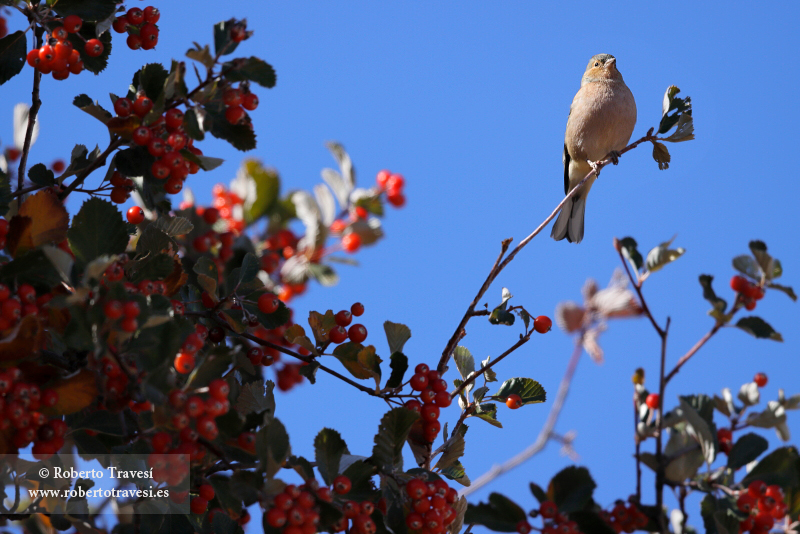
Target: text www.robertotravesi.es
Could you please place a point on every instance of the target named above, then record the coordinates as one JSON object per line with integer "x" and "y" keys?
{"x": 133, "y": 493}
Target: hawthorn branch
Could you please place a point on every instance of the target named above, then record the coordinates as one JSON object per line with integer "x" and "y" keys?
{"x": 36, "y": 103}
{"x": 637, "y": 285}
{"x": 469, "y": 380}
{"x": 662, "y": 384}
{"x": 697, "y": 346}
{"x": 93, "y": 166}
{"x": 545, "y": 434}
{"x": 503, "y": 260}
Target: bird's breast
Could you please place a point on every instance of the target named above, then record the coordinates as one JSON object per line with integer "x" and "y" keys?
{"x": 602, "y": 118}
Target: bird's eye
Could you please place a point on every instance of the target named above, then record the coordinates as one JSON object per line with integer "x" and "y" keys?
{"x": 596, "y": 63}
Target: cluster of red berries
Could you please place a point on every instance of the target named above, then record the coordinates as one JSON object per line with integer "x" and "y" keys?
{"x": 282, "y": 244}
{"x": 433, "y": 394}
{"x": 295, "y": 510}
{"x": 3, "y": 232}
{"x": 393, "y": 184}
{"x": 24, "y": 303}
{"x": 211, "y": 239}
{"x": 185, "y": 361}
{"x": 20, "y": 403}
{"x": 140, "y": 24}
{"x": 237, "y": 100}
{"x": 351, "y": 241}
{"x": 164, "y": 138}
{"x": 725, "y": 435}
{"x": 116, "y": 272}
{"x": 357, "y": 333}
{"x": 625, "y": 518}
{"x": 763, "y": 505}
{"x": 199, "y": 504}
{"x": 750, "y": 292}
{"x": 195, "y": 417}
{"x": 431, "y": 509}
{"x": 125, "y": 312}
{"x": 121, "y": 188}
{"x": 57, "y": 54}
{"x": 227, "y": 205}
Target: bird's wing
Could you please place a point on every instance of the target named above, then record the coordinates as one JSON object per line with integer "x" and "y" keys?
{"x": 566, "y": 169}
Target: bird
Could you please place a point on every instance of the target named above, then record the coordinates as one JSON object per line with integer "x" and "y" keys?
{"x": 600, "y": 124}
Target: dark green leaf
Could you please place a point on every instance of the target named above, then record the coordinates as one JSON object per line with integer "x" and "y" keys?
{"x": 465, "y": 362}
{"x": 455, "y": 471}
{"x": 84, "y": 103}
{"x": 158, "y": 345}
{"x": 488, "y": 412}
{"x": 13, "y": 50}
{"x": 746, "y": 449}
{"x": 192, "y": 125}
{"x": 213, "y": 366}
{"x": 271, "y": 320}
{"x": 5, "y": 193}
{"x": 328, "y": 450}
{"x": 93, "y": 10}
{"x": 240, "y": 136}
{"x": 392, "y": 433}
{"x": 97, "y": 229}
{"x": 529, "y": 390}
{"x": 153, "y": 241}
{"x": 223, "y": 44}
{"x": 206, "y": 163}
{"x": 101, "y": 421}
{"x": 661, "y": 155}
{"x": 673, "y": 103}
{"x": 310, "y": 371}
{"x": 708, "y": 293}
{"x": 571, "y": 489}
{"x": 758, "y": 327}
{"x": 786, "y": 289}
{"x": 151, "y": 267}
{"x": 253, "y": 69}
{"x": 538, "y": 492}
{"x": 249, "y": 269}
{"x": 41, "y": 175}
{"x": 255, "y": 398}
{"x": 399, "y": 365}
{"x": 207, "y": 267}
{"x": 500, "y": 514}
{"x": 302, "y": 466}
{"x": 173, "y": 226}
{"x": 747, "y": 265}
{"x": 630, "y": 252}
{"x": 360, "y": 474}
{"x": 151, "y": 79}
{"x": 272, "y": 446}
{"x": 780, "y": 467}
{"x": 134, "y": 161}
{"x": 589, "y": 521}
{"x": 94, "y": 64}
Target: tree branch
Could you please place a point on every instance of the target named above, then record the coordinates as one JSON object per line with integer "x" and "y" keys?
{"x": 469, "y": 380}
{"x": 36, "y": 103}
{"x": 97, "y": 163}
{"x": 546, "y": 431}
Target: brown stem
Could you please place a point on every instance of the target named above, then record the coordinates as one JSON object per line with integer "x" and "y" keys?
{"x": 546, "y": 431}
{"x": 638, "y": 287}
{"x": 501, "y": 263}
{"x": 662, "y": 384}
{"x": 96, "y": 164}
{"x": 638, "y": 450}
{"x": 524, "y": 339}
{"x": 692, "y": 351}
{"x": 36, "y": 103}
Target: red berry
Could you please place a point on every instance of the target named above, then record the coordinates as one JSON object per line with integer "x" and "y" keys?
{"x": 232, "y": 97}
{"x": 775, "y": 492}
{"x": 173, "y": 118}
{"x": 443, "y": 399}
{"x": 72, "y": 23}
{"x": 235, "y": 114}
{"x": 135, "y": 16}
{"x": 276, "y": 517}
{"x": 430, "y": 412}
{"x": 343, "y": 318}
{"x": 60, "y": 33}
{"x": 419, "y": 381}
{"x": 120, "y": 24}
{"x": 413, "y": 405}
{"x": 431, "y": 430}
{"x": 756, "y": 489}
{"x": 351, "y": 242}
{"x": 422, "y": 368}
{"x": 219, "y": 389}
{"x": 33, "y": 58}
{"x": 141, "y": 135}
{"x": 184, "y": 363}
{"x": 514, "y": 401}
{"x": 268, "y": 303}
{"x": 206, "y": 491}
{"x": 135, "y": 215}
{"x": 357, "y": 333}
{"x": 414, "y": 521}
{"x": 113, "y": 309}
{"x": 148, "y": 33}
{"x": 337, "y": 334}
{"x": 198, "y": 505}
{"x": 134, "y": 42}
{"x": 760, "y": 379}
{"x": 151, "y": 14}
{"x": 724, "y": 434}
{"x": 548, "y": 509}
{"x": 357, "y": 309}
{"x": 93, "y": 47}
{"x": 416, "y": 489}
{"x": 652, "y": 401}
{"x": 142, "y": 106}
{"x": 211, "y": 215}
{"x": 342, "y": 485}
{"x": 11, "y": 309}
{"x": 207, "y": 428}
{"x": 173, "y": 186}
{"x": 247, "y": 441}
{"x": 238, "y": 33}
{"x": 542, "y": 324}
{"x": 740, "y": 284}
{"x": 249, "y": 101}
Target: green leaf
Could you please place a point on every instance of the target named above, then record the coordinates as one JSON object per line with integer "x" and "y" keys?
{"x": 240, "y": 136}
{"x": 192, "y": 125}
{"x": 684, "y": 131}
{"x": 5, "y": 193}
{"x": 747, "y": 265}
{"x": 360, "y": 473}
{"x": 396, "y": 335}
{"x": 699, "y": 429}
{"x": 272, "y": 446}
{"x": 631, "y": 253}
{"x": 206, "y": 163}
{"x": 202, "y": 55}
{"x": 101, "y": 421}
{"x": 453, "y": 449}
{"x": 661, "y": 155}
{"x": 758, "y": 327}
{"x": 465, "y": 362}
{"x": 500, "y": 514}
{"x": 571, "y": 489}
{"x": 173, "y": 226}
{"x": 85, "y": 103}
{"x": 673, "y": 103}
{"x": 158, "y": 345}
{"x": 786, "y": 289}
{"x": 153, "y": 241}
{"x": 254, "y": 397}
{"x": 538, "y": 492}
{"x": 455, "y": 471}
{"x": 259, "y": 187}
{"x": 661, "y": 255}
{"x": 92, "y": 10}
{"x": 708, "y": 293}
{"x": 324, "y": 274}
{"x": 328, "y": 450}
{"x": 223, "y": 44}
{"x": 500, "y": 315}
{"x": 151, "y": 79}
{"x": 41, "y": 175}
{"x": 94, "y": 64}
{"x": 97, "y": 229}
{"x": 151, "y": 267}
{"x": 488, "y": 412}
{"x": 13, "y": 50}
{"x": 392, "y": 433}
{"x": 589, "y": 521}
{"x": 780, "y": 467}
{"x": 399, "y": 365}
{"x": 746, "y": 449}
{"x": 361, "y": 361}
{"x": 771, "y": 267}
{"x": 529, "y": 390}
{"x": 249, "y": 269}
{"x": 253, "y": 69}
{"x": 134, "y": 161}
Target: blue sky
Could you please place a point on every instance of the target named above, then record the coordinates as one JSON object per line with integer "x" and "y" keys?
{"x": 470, "y": 104}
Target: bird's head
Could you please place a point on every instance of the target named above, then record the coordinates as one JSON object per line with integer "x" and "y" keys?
{"x": 601, "y": 67}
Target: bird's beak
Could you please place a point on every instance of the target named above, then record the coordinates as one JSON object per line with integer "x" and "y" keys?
{"x": 611, "y": 63}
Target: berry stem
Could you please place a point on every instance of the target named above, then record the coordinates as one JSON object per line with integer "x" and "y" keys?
{"x": 524, "y": 339}
{"x": 36, "y": 103}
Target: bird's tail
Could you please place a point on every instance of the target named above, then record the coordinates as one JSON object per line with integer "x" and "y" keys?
{"x": 569, "y": 223}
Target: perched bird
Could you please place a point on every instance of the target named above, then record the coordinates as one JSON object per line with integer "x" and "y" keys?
{"x": 601, "y": 121}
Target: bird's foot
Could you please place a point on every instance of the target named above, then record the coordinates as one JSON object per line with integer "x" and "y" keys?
{"x": 614, "y": 155}
{"x": 596, "y": 166}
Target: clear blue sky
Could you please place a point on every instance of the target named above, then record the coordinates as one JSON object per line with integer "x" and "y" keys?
{"x": 470, "y": 104}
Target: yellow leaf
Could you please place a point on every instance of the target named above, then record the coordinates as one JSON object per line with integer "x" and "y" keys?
{"x": 25, "y": 340}
{"x": 49, "y": 222}
{"x": 74, "y": 393}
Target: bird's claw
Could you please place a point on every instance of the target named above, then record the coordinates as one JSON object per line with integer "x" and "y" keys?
{"x": 595, "y": 165}
{"x": 614, "y": 155}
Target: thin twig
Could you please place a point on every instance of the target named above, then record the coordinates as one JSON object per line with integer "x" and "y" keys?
{"x": 36, "y": 103}
{"x": 469, "y": 380}
{"x": 662, "y": 384}
{"x": 97, "y": 163}
{"x": 638, "y": 286}
{"x": 546, "y": 431}
{"x": 692, "y": 351}
{"x": 501, "y": 263}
